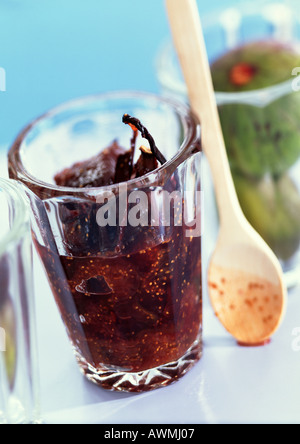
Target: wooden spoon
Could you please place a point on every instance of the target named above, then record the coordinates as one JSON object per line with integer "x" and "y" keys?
{"x": 245, "y": 278}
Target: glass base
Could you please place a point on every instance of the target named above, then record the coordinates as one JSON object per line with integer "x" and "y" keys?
{"x": 16, "y": 414}
{"x": 291, "y": 271}
{"x": 111, "y": 379}
{"x": 292, "y": 277}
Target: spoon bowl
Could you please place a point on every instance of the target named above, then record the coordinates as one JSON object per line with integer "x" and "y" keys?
{"x": 245, "y": 278}
{"x": 248, "y": 301}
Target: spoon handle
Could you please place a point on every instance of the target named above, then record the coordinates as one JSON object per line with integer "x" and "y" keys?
{"x": 189, "y": 42}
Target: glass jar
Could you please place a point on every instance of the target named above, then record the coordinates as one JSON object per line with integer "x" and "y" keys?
{"x": 260, "y": 126}
{"x": 18, "y": 352}
{"x": 123, "y": 261}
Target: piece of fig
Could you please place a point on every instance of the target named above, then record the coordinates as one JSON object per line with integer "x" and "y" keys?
{"x": 262, "y": 139}
{"x": 260, "y": 63}
{"x": 262, "y": 133}
{"x": 94, "y": 286}
{"x": 146, "y": 162}
{"x": 98, "y": 171}
{"x": 273, "y": 208}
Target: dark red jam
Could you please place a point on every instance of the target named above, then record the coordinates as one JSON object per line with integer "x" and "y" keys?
{"x": 135, "y": 312}
{"x": 130, "y": 296}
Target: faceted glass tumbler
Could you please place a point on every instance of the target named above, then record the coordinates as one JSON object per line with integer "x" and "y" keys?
{"x": 123, "y": 261}
{"x": 18, "y": 353}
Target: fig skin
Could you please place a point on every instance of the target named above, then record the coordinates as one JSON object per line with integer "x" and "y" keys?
{"x": 271, "y": 62}
{"x": 273, "y": 208}
{"x": 263, "y": 142}
{"x": 260, "y": 140}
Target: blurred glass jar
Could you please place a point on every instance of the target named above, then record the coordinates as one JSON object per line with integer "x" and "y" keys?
{"x": 18, "y": 356}
{"x": 260, "y": 126}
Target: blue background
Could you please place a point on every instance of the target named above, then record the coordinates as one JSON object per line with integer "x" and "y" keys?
{"x": 55, "y": 50}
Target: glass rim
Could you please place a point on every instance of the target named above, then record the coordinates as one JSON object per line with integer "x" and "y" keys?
{"x": 248, "y": 7}
{"x": 267, "y": 94}
{"x": 15, "y": 199}
{"x": 188, "y": 119}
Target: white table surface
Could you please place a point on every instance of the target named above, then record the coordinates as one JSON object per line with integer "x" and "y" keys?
{"x": 230, "y": 384}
